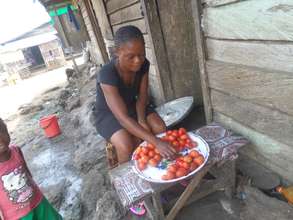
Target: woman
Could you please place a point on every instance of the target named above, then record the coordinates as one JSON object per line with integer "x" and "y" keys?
{"x": 123, "y": 114}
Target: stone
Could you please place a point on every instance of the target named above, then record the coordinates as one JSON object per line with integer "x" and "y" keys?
{"x": 259, "y": 206}
{"x": 73, "y": 103}
{"x": 108, "y": 207}
{"x": 27, "y": 109}
{"x": 55, "y": 193}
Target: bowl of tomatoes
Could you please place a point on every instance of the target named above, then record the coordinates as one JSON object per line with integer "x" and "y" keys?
{"x": 192, "y": 154}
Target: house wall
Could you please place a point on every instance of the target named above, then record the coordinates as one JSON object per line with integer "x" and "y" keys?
{"x": 74, "y": 38}
{"x": 128, "y": 12}
{"x": 249, "y": 48}
{"x": 179, "y": 39}
{"x": 52, "y": 54}
{"x": 93, "y": 46}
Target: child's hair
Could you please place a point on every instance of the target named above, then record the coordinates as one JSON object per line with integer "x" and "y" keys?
{"x": 4, "y": 134}
{"x": 126, "y": 34}
{"x": 3, "y": 127}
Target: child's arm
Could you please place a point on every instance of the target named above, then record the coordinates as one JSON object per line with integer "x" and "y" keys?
{"x": 1, "y": 215}
{"x": 26, "y": 167}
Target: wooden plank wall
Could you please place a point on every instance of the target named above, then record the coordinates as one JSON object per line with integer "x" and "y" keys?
{"x": 128, "y": 12}
{"x": 179, "y": 38}
{"x": 93, "y": 44}
{"x": 250, "y": 70}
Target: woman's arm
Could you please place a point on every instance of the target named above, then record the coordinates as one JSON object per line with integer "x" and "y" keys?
{"x": 142, "y": 102}
{"x": 118, "y": 108}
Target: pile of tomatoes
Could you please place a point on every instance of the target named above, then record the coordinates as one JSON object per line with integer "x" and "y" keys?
{"x": 183, "y": 165}
{"x": 180, "y": 140}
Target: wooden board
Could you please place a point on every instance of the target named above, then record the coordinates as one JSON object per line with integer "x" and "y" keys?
{"x": 103, "y": 20}
{"x": 158, "y": 47}
{"x": 130, "y": 13}
{"x": 267, "y": 151}
{"x": 139, "y": 23}
{"x": 272, "y": 89}
{"x": 179, "y": 39}
{"x": 115, "y": 5}
{"x": 272, "y": 123}
{"x": 277, "y": 56}
{"x": 254, "y": 19}
{"x": 215, "y": 3}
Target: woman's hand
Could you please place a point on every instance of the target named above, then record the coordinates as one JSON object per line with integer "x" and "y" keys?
{"x": 166, "y": 150}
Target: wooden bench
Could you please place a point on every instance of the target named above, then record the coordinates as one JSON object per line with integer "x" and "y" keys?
{"x": 221, "y": 166}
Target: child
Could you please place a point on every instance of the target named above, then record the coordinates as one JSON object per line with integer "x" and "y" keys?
{"x": 20, "y": 197}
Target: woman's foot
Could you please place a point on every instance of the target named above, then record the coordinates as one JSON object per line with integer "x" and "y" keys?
{"x": 138, "y": 209}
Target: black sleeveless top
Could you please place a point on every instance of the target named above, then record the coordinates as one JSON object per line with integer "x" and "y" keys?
{"x": 109, "y": 75}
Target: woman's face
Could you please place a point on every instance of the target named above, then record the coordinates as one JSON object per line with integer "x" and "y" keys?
{"x": 131, "y": 55}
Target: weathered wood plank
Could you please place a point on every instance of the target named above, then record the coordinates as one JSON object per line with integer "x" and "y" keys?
{"x": 202, "y": 56}
{"x": 276, "y": 56}
{"x": 158, "y": 47}
{"x": 215, "y": 3}
{"x": 139, "y": 23}
{"x": 130, "y": 13}
{"x": 257, "y": 20}
{"x": 103, "y": 20}
{"x": 179, "y": 39}
{"x": 149, "y": 55}
{"x": 267, "y": 88}
{"x": 267, "y": 151}
{"x": 272, "y": 123}
{"x": 115, "y": 5}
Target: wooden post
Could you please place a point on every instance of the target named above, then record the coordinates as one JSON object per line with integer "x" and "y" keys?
{"x": 158, "y": 47}
{"x": 97, "y": 31}
{"x": 67, "y": 45}
{"x": 200, "y": 45}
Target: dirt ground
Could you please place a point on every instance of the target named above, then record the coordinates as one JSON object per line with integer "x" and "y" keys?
{"x": 71, "y": 168}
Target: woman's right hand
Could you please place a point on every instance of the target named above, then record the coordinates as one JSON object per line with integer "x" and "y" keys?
{"x": 166, "y": 150}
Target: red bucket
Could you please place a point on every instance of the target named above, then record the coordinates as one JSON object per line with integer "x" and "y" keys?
{"x": 50, "y": 126}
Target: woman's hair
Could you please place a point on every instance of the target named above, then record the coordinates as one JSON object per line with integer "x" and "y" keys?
{"x": 126, "y": 34}
{"x": 3, "y": 127}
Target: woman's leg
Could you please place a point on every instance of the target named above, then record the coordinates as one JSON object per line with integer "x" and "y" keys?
{"x": 124, "y": 144}
{"x": 156, "y": 123}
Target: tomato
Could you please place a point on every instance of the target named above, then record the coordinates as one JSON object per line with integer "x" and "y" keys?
{"x": 184, "y": 137}
{"x": 171, "y": 138}
{"x": 144, "y": 159}
{"x": 199, "y": 160}
{"x": 181, "y": 131}
{"x": 151, "y": 153}
{"x": 145, "y": 150}
{"x": 141, "y": 165}
{"x": 153, "y": 162}
{"x": 151, "y": 146}
{"x": 138, "y": 150}
{"x": 175, "y": 133}
{"x": 170, "y": 175}
{"x": 188, "y": 159}
{"x": 169, "y": 132}
{"x": 172, "y": 168}
{"x": 181, "y": 172}
{"x": 136, "y": 156}
{"x": 175, "y": 143}
{"x": 182, "y": 143}
{"x": 193, "y": 166}
{"x": 185, "y": 165}
{"x": 158, "y": 157}
{"x": 157, "y": 151}
{"x": 194, "y": 154}
{"x": 165, "y": 177}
